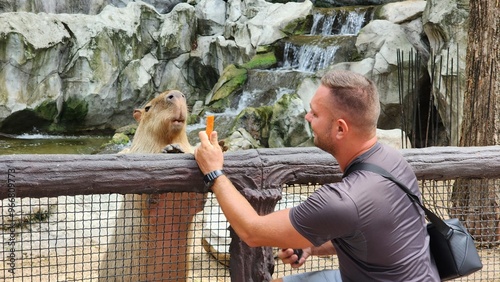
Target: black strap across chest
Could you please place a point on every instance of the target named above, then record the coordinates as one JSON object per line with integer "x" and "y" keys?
{"x": 440, "y": 225}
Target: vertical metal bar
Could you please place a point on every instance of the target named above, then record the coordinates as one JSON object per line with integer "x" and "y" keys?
{"x": 429, "y": 124}
{"x": 400, "y": 90}
{"x": 451, "y": 102}
{"x": 417, "y": 94}
{"x": 486, "y": 122}
{"x": 446, "y": 95}
{"x": 458, "y": 97}
{"x": 439, "y": 93}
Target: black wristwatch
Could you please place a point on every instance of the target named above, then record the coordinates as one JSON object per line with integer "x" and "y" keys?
{"x": 210, "y": 177}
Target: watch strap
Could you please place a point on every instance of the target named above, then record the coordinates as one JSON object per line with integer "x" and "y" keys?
{"x": 211, "y": 176}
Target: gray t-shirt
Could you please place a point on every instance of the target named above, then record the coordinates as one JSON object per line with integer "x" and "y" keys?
{"x": 379, "y": 234}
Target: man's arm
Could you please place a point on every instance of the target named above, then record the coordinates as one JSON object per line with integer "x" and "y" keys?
{"x": 274, "y": 229}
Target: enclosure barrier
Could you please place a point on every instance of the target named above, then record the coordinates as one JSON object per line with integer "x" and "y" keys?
{"x": 262, "y": 176}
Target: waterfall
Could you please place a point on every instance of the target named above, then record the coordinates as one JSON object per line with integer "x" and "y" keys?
{"x": 313, "y": 57}
{"x": 323, "y": 24}
{"x": 332, "y": 34}
{"x": 338, "y": 23}
{"x": 354, "y": 23}
{"x": 308, "y": 58}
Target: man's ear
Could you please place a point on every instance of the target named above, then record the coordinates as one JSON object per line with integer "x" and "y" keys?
{"x": 342, "y": 128}
{"x": 138, "y": 114}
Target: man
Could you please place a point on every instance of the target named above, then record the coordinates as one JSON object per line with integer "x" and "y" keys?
{"x": 377, "y": 233}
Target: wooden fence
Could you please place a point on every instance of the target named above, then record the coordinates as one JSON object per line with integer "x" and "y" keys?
{"x": 259, "y": 175}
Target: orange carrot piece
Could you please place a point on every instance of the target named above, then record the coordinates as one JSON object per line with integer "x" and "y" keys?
{"x": 210, "y": 125}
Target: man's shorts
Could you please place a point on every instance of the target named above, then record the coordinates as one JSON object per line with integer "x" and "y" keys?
{"x": 316, "y": 276}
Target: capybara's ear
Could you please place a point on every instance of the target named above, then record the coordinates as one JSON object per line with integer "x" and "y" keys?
{"x": 138, "y": 114}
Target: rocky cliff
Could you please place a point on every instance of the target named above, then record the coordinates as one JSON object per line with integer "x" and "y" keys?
{"x": 86, "y": 65}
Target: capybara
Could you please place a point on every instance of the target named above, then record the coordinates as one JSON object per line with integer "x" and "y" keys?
{"x": 151, "y": 238}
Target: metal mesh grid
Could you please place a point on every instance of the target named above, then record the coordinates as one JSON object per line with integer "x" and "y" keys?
{"x": 446, "y": 199}
{"x": 312, "y": 263}
{"x": 69, "y": 238}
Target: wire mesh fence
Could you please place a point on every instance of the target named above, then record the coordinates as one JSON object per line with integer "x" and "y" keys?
{"x": 111, "y": 237}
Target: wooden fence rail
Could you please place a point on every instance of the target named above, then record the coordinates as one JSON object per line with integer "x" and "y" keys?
{"x": 259, "y": 175}
{"x": 55, "y": 175}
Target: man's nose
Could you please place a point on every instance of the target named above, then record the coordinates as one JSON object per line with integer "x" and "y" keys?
{"x": 307, "y": 116}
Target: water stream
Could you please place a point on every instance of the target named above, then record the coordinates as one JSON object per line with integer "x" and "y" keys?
{"x": 331, "y": 31}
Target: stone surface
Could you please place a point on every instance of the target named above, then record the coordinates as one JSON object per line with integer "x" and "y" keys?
{"x": 85, "y": 66}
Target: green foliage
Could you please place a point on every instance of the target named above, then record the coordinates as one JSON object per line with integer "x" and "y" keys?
{"x": 261, "y": 61}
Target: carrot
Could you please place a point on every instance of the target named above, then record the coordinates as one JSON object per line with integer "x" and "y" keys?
{"x": 210, "y": 125}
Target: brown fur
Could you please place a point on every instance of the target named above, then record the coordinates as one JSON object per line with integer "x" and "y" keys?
{"x": 162, "y": 124}
{"x": 150, "y": 243}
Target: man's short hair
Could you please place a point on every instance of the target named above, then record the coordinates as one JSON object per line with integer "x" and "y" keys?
{"x": 354, "y": 95}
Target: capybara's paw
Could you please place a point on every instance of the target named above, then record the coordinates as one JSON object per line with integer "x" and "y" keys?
{"x": 173, "y": 148}
{"x": 223, "y": 146}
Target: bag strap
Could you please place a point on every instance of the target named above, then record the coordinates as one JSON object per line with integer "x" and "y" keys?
{"x": 440, "y": 225}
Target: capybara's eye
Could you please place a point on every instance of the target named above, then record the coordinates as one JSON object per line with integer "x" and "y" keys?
{"x": 147, "y": 108}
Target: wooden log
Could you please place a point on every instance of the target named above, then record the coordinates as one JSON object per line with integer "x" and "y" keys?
{"x": 55, "y": 175}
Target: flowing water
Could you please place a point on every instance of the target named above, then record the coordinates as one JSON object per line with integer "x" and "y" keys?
{"x": 328, "y": 27}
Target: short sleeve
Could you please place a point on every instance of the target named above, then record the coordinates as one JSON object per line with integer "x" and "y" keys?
{"x": 327, "y": 214}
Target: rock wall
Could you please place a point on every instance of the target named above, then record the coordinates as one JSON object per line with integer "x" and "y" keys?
{"x": 86, "y": 65}
{"x": 71, "y": 72}
{"x": 89, "y": 7}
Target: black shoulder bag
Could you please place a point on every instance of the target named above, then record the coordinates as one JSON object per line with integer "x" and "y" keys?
{"x": 451, "y": 244}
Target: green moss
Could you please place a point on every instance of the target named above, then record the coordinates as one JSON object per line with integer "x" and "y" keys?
{"x": 57, "y": 128}
{"x": 119, "y": 139}
{"x": 356, "y": 56}
{"x": 74, "y": 110}
{"x": 193, "y": 119}
{"x": 298, "y": 26}
{"x": 261, "y": 61}
{"x": 47, "y": 110}
{"x": 219, "y": 106}
{"x": 377, "y": 14}
{"x": 264, "y": 49}
{"x": 128, "y": 130}
{"x": 256, "y": 122}
{"x": 231, "y": 80}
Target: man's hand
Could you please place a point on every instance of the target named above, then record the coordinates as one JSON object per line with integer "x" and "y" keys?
{"x": 289, "y": 257}
{"x": 208, "y": 154}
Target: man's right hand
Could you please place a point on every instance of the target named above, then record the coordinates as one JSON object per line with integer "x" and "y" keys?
{"x": 208, "y": 154}
{"x": 289, "y": 257}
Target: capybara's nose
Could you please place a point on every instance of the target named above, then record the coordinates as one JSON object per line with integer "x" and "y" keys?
{"x": 175, "y": 95}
